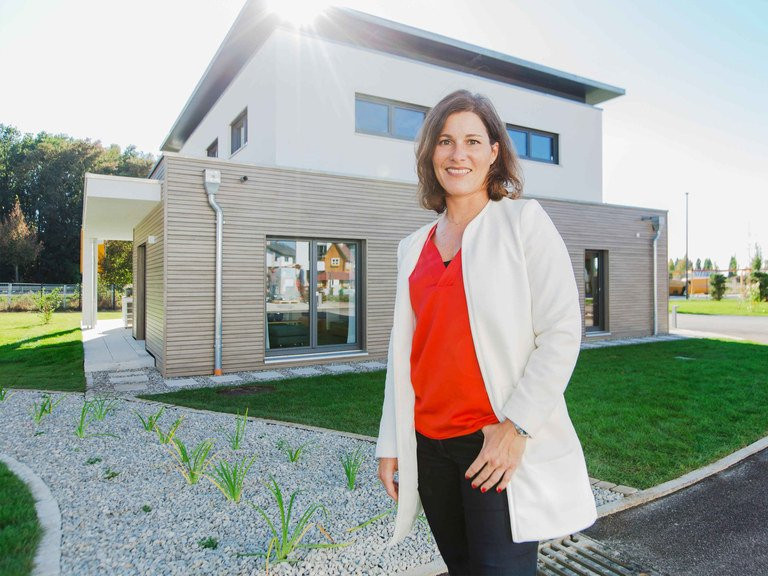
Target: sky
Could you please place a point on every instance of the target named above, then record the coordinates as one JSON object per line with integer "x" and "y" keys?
{"x": 694, "y": 118}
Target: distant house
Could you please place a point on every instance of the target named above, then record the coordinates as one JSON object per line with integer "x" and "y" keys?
{"x": 311, "y": 134}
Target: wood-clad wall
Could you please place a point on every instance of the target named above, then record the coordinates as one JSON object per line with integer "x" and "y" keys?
{"x": 627, "y": 240}
{"x": 302, "y": 204}
{"x": 272, "y": 202}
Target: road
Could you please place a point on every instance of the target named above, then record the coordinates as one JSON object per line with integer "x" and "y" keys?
{"x": 715, "y": 527}
{"x": 753, "y": 328}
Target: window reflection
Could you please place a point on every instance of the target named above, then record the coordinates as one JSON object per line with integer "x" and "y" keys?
{"x": 336, "y": 293}
{"x": 288, "y": 321}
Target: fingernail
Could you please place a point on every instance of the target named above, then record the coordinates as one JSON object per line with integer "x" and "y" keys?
{"x": 483, "y": 489}
{"x": 499, "y": 489}
{"x": 466, "y": 476}
{"x": 474, "y": 486}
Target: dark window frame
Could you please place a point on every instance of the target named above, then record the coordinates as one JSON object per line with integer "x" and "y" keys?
{"x": 528, "y": 132}
{"x": 391, "y": 105}
{"x": 602, "y": 292}
{"x": 239, "y": 124}
{"x": 313, "y": 347}
{"x": 213, "y": 147}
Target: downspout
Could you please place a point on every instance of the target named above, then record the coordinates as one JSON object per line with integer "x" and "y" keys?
{"x": 212, "y": 182}
{"x": 656, "y": 223}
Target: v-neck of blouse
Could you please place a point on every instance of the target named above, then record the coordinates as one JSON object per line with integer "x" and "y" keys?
{"x": 430, "y": 239}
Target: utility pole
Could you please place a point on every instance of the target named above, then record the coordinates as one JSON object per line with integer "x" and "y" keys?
{"x": 687, "y": 287}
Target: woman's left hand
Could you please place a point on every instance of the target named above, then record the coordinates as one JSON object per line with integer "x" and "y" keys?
{"x": 502, "y": 451}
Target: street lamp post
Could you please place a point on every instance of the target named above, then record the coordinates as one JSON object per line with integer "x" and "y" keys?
{"x": 687, "y": 287}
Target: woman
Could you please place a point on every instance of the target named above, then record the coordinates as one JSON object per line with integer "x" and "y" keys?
{"x": 486, "y": 333}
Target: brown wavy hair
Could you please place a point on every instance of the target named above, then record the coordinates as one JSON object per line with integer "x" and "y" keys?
{"x": 505, "y": 177}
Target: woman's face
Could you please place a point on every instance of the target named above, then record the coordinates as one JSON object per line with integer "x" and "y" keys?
{"x": 463, "y": 155}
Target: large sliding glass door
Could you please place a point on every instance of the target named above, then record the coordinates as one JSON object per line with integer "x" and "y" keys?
{"x": 313, "y": 296}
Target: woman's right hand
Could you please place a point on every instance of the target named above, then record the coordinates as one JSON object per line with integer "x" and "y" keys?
{"x": 387, "y": 469}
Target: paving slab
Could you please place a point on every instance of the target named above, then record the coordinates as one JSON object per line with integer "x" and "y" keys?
{"x": 306, "y": 371}
{"x": 340, "y": 368}
{"x": 267, "y": 375}
{"x": 179, "y": 382}
{"x": 225, "y": 379}
{"x": 134, "y": 379}
{"x": 130, "y": 387}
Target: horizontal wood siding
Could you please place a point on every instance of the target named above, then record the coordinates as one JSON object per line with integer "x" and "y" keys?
{"x": 273, "y": 202}
{"x": 153, "y": 225}
{"x": 627, "y": 241}
{"x": 289, "y": 203}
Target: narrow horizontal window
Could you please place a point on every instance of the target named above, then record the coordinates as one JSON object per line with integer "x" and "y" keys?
{"x": 383, "y": 117}
{"x": 534, "y": 144}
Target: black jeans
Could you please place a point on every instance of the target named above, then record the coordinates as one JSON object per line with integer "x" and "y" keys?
{"x": 472, "y": 529}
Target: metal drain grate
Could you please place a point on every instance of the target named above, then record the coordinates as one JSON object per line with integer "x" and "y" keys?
{"x": 578, "y": 555}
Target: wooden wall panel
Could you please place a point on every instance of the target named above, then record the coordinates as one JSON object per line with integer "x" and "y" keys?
{"x": 282, "y": 202}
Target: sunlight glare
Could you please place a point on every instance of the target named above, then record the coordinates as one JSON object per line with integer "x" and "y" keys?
{"x": 299, "y": 13}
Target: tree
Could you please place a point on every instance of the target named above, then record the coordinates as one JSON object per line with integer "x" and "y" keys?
{"x": 757, "y": 259}
{"x": 707, "y": 264}
{"x": 117, "y": 263}
{"x": 717, "y": 286}
{"x": 671, "y": 268}
{"x": 698, "y": 263}
{"x": 19, "y": 246}
{"x": 733, "y": 267}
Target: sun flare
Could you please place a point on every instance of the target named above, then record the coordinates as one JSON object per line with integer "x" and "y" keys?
{"x": 299, "y": 13}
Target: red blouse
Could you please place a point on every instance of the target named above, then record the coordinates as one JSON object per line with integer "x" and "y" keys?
{"x": 451, "y": 399}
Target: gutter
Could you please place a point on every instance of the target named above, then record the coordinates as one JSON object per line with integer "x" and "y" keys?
{"x": 656, "y": 223}
{"x": 212, "y": 181}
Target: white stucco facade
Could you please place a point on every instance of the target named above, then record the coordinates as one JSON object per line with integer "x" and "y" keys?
{"x": 300, "y": 94}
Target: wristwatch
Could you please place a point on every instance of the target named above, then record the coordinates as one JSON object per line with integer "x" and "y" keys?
{"x": 520, "y": 431}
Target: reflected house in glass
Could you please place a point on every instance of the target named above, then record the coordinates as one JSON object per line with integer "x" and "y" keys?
{"x": 312, "y": 131}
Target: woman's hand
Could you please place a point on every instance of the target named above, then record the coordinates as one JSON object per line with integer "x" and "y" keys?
{"x": 387, "y": 469}
{"x": 502, "y": 450}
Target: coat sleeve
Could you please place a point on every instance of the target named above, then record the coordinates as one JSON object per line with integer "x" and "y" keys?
{"x": 386, "y": 445}
{"x": 556, "y": 318}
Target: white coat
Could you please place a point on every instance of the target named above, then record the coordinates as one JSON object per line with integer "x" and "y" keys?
{"x": 525, "y": 320}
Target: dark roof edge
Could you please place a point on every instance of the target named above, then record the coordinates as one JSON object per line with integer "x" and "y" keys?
{"x": 255, "y": 23}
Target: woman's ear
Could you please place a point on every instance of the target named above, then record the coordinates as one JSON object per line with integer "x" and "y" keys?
{"x": 494, "y": 152}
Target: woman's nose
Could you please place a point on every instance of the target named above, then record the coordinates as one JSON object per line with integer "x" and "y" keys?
{"x": 459, "y": 152}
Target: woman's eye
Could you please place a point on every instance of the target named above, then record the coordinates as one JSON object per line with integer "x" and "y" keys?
{"x": 474, "y": 141}
{"x": 444, "y": 142}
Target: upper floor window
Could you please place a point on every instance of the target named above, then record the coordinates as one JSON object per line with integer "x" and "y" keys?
{"x": 534, "y": 144}
{"x": 388, "y": 117}
{"x": 213, "y": 150}
{"x": 239, "y": 131}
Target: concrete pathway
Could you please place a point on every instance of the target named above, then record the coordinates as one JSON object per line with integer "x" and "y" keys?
{"x": 110, "y": 346}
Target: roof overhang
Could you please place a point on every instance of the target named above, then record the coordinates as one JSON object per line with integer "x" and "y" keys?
{"x": 114, "y": 205}
{"x": 255, "y": 24}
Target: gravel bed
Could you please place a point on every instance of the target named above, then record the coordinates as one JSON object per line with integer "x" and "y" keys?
{"x": 106, "y": 530}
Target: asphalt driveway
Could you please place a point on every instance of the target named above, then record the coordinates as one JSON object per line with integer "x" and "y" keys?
{"x": 715, "y": 527}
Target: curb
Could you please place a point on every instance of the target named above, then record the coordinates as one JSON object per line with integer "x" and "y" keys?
{"x": 683, "y": 481}
{"x": 48, "y": 556}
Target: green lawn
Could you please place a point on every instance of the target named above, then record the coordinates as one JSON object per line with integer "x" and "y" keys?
{"x": 728, "y": 307}
{"x": 645, "y": 414}
{"x": 44, "y": 357}
{"x": 19, "y": 529}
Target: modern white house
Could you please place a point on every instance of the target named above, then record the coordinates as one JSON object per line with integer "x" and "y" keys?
{"x": 302, "y": 139}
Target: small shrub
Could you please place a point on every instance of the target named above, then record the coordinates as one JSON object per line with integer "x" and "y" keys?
{"x": 292, "y": 453}
{"x": 44, "y": 408}
{"x": 102, "y": 407}
{"x": 109, "y": 474}
{"x": 717, "y": 286}
{"x": 167, "y": 437}
{"x": 236, "y": 438}
{"x": 88, "y": 415}
{"x": 192, "y": 464}
{"x": 47, "y": 303}
{"x": 150, "y": 421}
{"x": 351, "y": 461}
{"x": 93, "y": 460}
{"x": 759, "y": 287}
{"x": 287, "y": 533}
{"x": 146, "y": 508}
{"x": 5, "y": 394}
{"x": 229, "y": 478}
{"x": 209, "y": 543}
